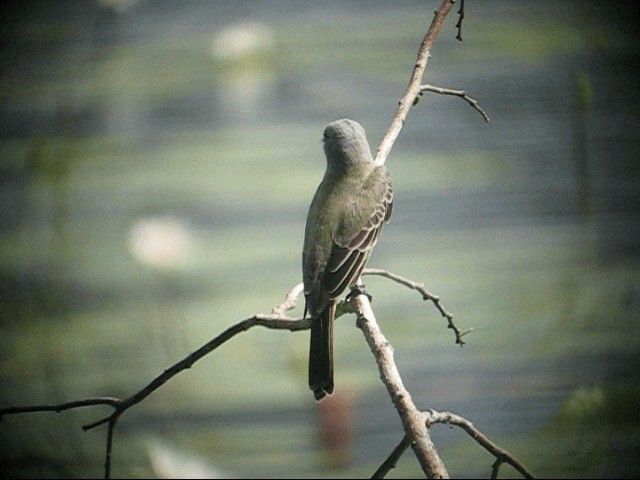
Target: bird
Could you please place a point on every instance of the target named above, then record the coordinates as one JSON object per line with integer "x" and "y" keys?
{"x": 352, "y": 202}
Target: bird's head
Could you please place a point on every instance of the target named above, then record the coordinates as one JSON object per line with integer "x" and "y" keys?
{"x": 345, "y": 144}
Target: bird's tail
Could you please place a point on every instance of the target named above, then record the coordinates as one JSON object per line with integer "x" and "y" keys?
{"x": 321, "y": 353}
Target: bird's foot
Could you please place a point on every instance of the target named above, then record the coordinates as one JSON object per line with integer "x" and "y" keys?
{"x": 358, "y": 290}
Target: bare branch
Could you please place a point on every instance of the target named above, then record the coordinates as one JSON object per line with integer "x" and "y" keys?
{"x": 458, "y": 93}
{"x": 273, "y": 321}
{"x": 502, "y": 456}
{"x": 426, "y": 295}
{"x": 413, "y": 89}
{"x": 391, "y": 462}
{"x": 413, "y": 421}
{"x": 60, "y": 407}
{"x": 116, "y": 403}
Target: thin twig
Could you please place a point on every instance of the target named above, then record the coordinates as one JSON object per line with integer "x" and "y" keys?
{"x": 60, "y": 407}
{"x": 413, "y": 88}
{"x": 391, "y": 462}
{"x": 271, "y": 321}
{"x": 460, "y": 18}
{"x": 426, "y": 295}
{"x": 502, "y": 456}
{"x": 458, "y": 93}
{"x": 289, "y": 301}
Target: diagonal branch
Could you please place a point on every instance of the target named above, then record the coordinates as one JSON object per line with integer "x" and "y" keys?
{"x": 426, "y": 295}
{"x": 276, "y": 321}
{"x": 413, "y": 421}
{"x": 271, "y": 321}
{"x": 413, "y": 88}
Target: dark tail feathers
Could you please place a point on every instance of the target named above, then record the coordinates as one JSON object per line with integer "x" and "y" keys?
{"x": 321, "y": 353}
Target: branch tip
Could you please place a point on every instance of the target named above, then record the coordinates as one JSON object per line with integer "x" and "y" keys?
{"x": 460, "y": 18}
{"x": 457, "y": 93}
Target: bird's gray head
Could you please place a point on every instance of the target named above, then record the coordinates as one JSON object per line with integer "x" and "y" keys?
{"x": 345, "y": 144}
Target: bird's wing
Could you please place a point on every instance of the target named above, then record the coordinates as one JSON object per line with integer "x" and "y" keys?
{"x": 354, "y": 243}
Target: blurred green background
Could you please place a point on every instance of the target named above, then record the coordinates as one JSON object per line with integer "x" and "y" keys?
{"x": 157, "y": 160}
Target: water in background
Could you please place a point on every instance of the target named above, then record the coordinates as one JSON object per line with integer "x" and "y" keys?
{"x": 157, "y": 160}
